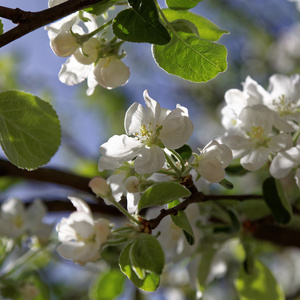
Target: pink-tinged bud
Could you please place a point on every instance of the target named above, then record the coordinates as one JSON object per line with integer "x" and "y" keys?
{"x": 64, "y": 44}
{"x": 88, "y": 53}
{"x": 99, "y": 187}
{"x": 111, "y": 72}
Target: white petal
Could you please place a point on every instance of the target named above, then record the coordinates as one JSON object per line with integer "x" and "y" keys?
{"x": 121, "y": 147}
{"x": 106, "y": 163}
{"x": 177, "y": 128}
{"x": 72, "y": 72}
{"x": 91, "y": 82}
{"x": 117, "y": 185}
{"x": 132, "y": 202}
{"x": 153, "y": 109}
{"x": 280, "y": 142}
{"x": 284, "y": 161}
{"x": 236, "y": 100}
{"x": 255, "y": 159}
{"x": 134, "y": 118}
{"x": 256, "y": 93}
{"x": 150, "y": 160}
{"x": 297, "y": 178}
{"x": 80, "y": 205}
{"x": 211, "y": 170}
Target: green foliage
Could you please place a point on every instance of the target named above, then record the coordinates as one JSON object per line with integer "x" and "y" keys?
{"x": 182, "y": 222}
{"x": 141, "y": 23}
{"x": 179, "y": 4}
{"x": 204, "y": 267}
{"x": 29, "y": 129}
{"x": 190, "y": 57}
{"x": 162, "y": 193}
{"x": 100, "y": 8}
{"x": 259, "y": 285}
{"x": 108, "y": 285}
{"x": 151, "y": 280}
{"x": 276, "y": 200}
{"x": 206, "y": 29}
{"x": 185, "y": 152}
{"x": 1, "y": 27}
{"x": 146, "y": 254}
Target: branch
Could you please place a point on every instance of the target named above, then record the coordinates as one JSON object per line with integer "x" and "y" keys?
{"x": 30, "y": 21}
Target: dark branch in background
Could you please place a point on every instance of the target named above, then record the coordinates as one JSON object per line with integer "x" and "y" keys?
{"x": 29, "y": 21}
{"x": 264, "y": 229}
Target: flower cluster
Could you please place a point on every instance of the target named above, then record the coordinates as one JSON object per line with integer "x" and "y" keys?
{"x": 263, "y": 125}
{"x": 91, "y": 56}
{"x": 16, "y": 220}
{"x": 147, "y": 153}
{"x": 82, "y": 237}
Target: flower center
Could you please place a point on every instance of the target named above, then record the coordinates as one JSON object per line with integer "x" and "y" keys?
{"x": 148, "y": 134}
{"x": 284, "y": 105}
{"x": 257, "y": 135}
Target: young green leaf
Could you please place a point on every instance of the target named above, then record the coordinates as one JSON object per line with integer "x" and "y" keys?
{"x": 101, "y": 7}
{"x": 162, "y": 193}
{"x": 1, "y": 27}
{"x": 29, "y": 129}
{"x": 141, "y": 23}
{"x": 179, "y": 4}
{"x": 190, "y": 57}
{"x": 185, "y": 151}
{"x": 182, "y": 222}
{"x": 204, "y": 267}
{"x": 207, "y": 30}
{"x": 277, "y": 202}
{"x": 146, "y": 254}
{"x": 150, "y": 282}
{"x": 107, "y": 286}
{"x": 259, "y": 285}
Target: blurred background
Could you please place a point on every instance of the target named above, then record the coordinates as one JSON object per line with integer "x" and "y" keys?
{"x": 264, "y": 39}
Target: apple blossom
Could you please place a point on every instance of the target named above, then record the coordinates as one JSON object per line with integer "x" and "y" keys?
{"x": 110, "y": 72}
{"x": 82, "y": 237}
{"x": 212, "y": 161}
{"x": 285, "y": 161}
{"x": 15, "y": 220}
{"x": 148, "y": 131}
{"x": 255, "y": 139}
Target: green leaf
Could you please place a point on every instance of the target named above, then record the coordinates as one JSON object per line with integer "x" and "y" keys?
{"x": 100, "y": 8}
{"x": 107, "y": 286}
{"x": 226, "y": 184}
{"x": 151, "y": 281}
{"x": 276, "y": 200}
{"x": 29, "y": 129}
{"x": 204, "y": 267}
{"x": 1, "y": 27}
{"x": 182, "y": 4}
{"x": 207, "y": 30}
{"x": 146, "y": 253}
{"x": 182, "y": 222}
{"x": 259, "y": 285}
{"x": 185, "y": 151}
{"x": 141, "y": 23}
{"x": 191, "y": 57}
{"x": 162, "y": 193}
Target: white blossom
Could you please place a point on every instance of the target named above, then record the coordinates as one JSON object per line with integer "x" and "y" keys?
{"x": 212, "y": 161}
{"x": 148, "y": 131}
{"x": 256, "y": 139}
{"x": 82, "y": 237}
{"x": 16, "y": 220}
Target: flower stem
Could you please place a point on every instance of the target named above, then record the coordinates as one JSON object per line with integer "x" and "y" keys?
{"x": 172, "y": 165}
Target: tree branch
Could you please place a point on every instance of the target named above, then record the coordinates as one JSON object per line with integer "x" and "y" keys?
{"x": 30, "y": 21}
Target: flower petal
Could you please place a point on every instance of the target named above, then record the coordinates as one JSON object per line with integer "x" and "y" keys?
{"x": 150, "y": 160}
{"x": 121, "y": 148}
{"x": 134, "y": 118}
{"x": 255, "y": 159}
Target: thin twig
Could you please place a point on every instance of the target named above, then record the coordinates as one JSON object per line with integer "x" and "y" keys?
{"x": 30, "y": 21}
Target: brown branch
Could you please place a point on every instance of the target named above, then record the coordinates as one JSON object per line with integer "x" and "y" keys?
{"x": 30, "y": 21}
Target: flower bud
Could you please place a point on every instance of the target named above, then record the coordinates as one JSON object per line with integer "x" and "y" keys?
{"x": 88, "y": 53}
{"x": 132, "y": 184}
{"x": 99, "y": 187}
{"x": 64, "y": 44}
{"x": 111, "y": 72}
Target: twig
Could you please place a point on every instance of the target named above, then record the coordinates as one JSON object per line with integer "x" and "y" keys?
{"x": 30, "y": 21}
